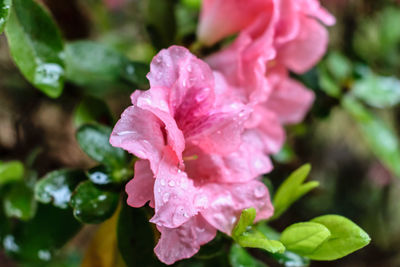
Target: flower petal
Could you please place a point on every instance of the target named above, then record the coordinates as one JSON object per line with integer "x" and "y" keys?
{"x": 245, "y": 164}
{"x": 307, "y": 48}
{"x": 226, "y": 202}
{"x": 173, "y": 193}
{"x": 140, "y": 133}
{"x": 185, "y": 241}
{"x": 290, "y": 101}
{"x": 140, "y": 188}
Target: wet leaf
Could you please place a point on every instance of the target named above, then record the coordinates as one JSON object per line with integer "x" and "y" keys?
{"x": 36, "y": 46}
{"x": 90, "y": 63}
{"x": 292, "y": 189}
{"x": 246, "y": 219}
{"x": 57, "y": 187}
{"x": 19, "y": 202}
{"x": 239, "y": 257}
{"x": 92, "y": 204}
{"x": 304, "y": 238}
{"x": 346, "y": 237}
{"x": 92, "y": 110}
{"x": 102, "y": 175}
{"x": 5, "y": 6}
{"x": 39, "y": 239}
{"x": 290, "y": 259}
{"x": 11, "y": 171}
{"x": 94, "y": 141}
{"x": 136, "y": 237}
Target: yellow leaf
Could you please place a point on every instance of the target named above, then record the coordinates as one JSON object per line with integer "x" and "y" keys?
{"x": 103, "y": 249}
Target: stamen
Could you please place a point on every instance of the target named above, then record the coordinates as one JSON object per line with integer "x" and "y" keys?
{"x": 192, "y": 157}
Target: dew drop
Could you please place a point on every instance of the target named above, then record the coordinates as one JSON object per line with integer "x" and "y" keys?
{"x": 162, "y": 182}
{"x": 200, "y": 229}
{"x": 260, "y": 191}
{"x": 201, "y": 201}
{"x": 165, "y": 197}
{"x": 171, "y": 183}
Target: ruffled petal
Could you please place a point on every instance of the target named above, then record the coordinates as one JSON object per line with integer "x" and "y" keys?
{"x": 185, "y": 241}
{"x": 226, "y": 202}
{"x": 266, "y": 125}
{"x": 290, "y": 101}
{"x": 174, "y": 194}
{"x": 155, "y": 101}
{"x": 221, "y": 18}
{"x": 140, "y": 188}
{"x": 245, "y": 164}
{"x": 302, "y": 53}
{"x": 140, "y": 133}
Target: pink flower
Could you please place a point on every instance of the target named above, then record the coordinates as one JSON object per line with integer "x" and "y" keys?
{"x": 287, "y": 36}
{"x": 221, "y": 18}
{"x": 199, "y": 163}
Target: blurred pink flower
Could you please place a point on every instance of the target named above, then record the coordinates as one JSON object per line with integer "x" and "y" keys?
{"x": 199, "y": 163}
{"x": 287, "y": 36}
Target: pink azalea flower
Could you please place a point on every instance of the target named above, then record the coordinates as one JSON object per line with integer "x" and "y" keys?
{"x": 221, "y": 18}
{"x": 287, "y": 36}
{"x": 199, "y": 162}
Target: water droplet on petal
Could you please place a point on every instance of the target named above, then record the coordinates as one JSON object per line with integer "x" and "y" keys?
{"x": 171, "y": 183}
{"x": 165, "y": 197}
{"x": 179, "y": 215}
{"x": 200, "y": 229}
{"x": 201, "y": 201}
{"x": 162, "y": 182}
{"x": 260, "y": 191}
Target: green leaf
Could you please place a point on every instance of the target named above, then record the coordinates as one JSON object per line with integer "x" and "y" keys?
{"x": 57, "y": 187}
{"x": 136, "y": 238}
{"x": 304, "y": 238}
{"x": 255, "y": 239}
{"x": 346, "y": 237}
{"x": 92, "y": 110}
{"x": 290, "y": 259}
{"x": 292, "y": 189}
{"x": 5, "y": 7}
{"x": 246, "y": 219}
{"x": 161, "y": 24}
{"x": 382, "y": 141}
{"x": 285, "y": 155}
{"x": 11, "y": 171}
{"x": 19, "y": 202}
{"x": 247, "y": 236}
{"x": 102, "y": 175}
{"x": 90, "y": 63}
{"x": 39, "y": 239}
{"x": 36, "y": 46}
{"x": 327, "y": 83}
{"x": 377, "y": 91}
{"x": 239, "y": 257}
{"x": 338, "y": 66}
{"x": 194, "y": 4}
{"x": 94, "y": 141}
{"x": 93, "y": 205}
